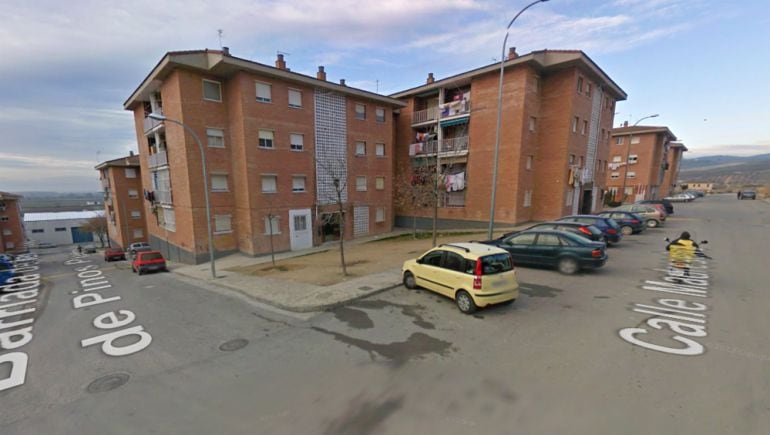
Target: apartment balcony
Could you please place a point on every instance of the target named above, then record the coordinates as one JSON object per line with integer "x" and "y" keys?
{"x": 105, "y": 182}
{"x": 152, "y": 125}
{"x": 163, "y": 196}
{"x": 455, "y": 146}
{"x": 454, "y": 109}
{"x": 158, "y": 159}
{"x": 425, "y": 116}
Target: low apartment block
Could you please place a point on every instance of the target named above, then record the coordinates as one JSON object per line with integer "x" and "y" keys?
{"x": 124, "y": 199}
{"x": 558, "y": 110}
{"x": 638, "y": 162}
{"x": 671, "y": 176}
{"x": 11, "y": 223}
{"x": 281, "y": 149}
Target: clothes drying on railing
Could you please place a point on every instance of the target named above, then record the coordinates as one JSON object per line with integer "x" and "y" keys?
{"x": 416, "y": 148}
{"x": 424, "y": 137}
{"x": 454, "y": 182}
{"x": 453, "y": 108}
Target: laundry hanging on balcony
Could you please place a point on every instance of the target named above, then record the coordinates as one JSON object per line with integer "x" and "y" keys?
{"x": 424, "y": 137}
{"x": 454, "y": 182}
{"x": 416, "y": 148}
{"x": 453, "y": 108}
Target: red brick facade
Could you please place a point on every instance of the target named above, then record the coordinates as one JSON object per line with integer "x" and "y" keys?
{"x": 12, "y": 236}
{"x": 671, "y": 177}
{"x": 123, "y": 201}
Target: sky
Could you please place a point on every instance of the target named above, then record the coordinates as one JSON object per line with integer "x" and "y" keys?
{"x": 67, "y": 67}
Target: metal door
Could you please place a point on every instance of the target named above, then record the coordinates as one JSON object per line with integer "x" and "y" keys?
{"x": 299, "y": 229}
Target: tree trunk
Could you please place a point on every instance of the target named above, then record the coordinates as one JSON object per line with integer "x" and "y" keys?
{"x": 342, "y": 234}
{"x": 435, "y": 210}
{"x": 272, "y": 249}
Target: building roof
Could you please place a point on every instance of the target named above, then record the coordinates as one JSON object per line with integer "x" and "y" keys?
{"x": 220, "y": 63}
{"x": 127, "y": 161}
{"x": 678, "y": 145}
{"x": 643, "y": 129}
{"x": 542, "y": 60}
{"x": 9, "y": 196}
{"x": 62, "y": 215}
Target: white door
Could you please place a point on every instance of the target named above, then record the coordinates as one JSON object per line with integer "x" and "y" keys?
{"x": 299, "y": 229}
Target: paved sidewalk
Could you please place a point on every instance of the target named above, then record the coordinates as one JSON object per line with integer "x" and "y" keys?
{"x": 296, "y": 296}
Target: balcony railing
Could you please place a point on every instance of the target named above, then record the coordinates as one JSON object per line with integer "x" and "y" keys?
{"x": 105, "y": 183}
{"x": 163, "y": 196}
{"x": 455, "y": 144}
{"x": 429, "y": 114}
{"x": 454, "y": 108}
{"x": 158, "y": 159}
{"x": 150, "y": 124}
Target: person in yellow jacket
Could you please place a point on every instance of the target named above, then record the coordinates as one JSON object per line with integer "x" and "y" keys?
{"x": 681, "y": 252}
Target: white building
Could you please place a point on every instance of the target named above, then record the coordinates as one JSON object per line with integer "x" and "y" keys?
{"x": 59, "y": 228}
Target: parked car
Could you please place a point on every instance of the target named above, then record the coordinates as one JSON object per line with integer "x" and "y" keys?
{"x": 473, "y": 274}
{"x": 666, "y": 204}
{"x": 4, "y": 256}
{"x": 138, "y": 247}
{"x": 46, "y": 245}
{"x": 660, "y": 207}
{"x": 6, "y": 271}
{"x": 652, "y": 216}
{"x": 630, "y": 223}
{"x": 608, "y": 227}
{"x": 89, "y": 249}
{"x": 588, "y": 231}
{"x": 567, "y": 252}
{"x": 748, "y": 194}
{"x": 111, "y": 254}
{"x": 145, "y": 261}
{"x": 680, "y": 197}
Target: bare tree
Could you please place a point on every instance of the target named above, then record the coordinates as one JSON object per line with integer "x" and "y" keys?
{"x": 414, "y": 189}
{"x": 333, "y": 175}
{"x": 98, "y": 226}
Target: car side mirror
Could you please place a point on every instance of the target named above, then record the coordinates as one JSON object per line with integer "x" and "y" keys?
{"x": 419, "y": 261}
{"x": 667, "y": 239}
{"x": 704, "y": 242}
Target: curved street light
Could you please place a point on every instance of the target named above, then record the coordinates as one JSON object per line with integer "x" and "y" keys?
{"x": 628, "y": 153}
{"x": 159, "y": 117}
{"x": 500, "y": 120}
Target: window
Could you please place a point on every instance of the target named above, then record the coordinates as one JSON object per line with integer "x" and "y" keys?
{"x": 580, "y": 85}
{"x": 168, "y": 219}
{"x": 380, "y": 214}
{"x": 212, "y": 91}
{"x": 615, "y": 175}
{"x": 60, "y": 229}
{"x": 3, "y": 218}
{"x": 264, "y": 92}
{"x": 266, "y": 139}
{"x": 215, "y": 137}
{"x": 133, "y": 193}
{"x": 379, "y": 149}
{"x": 532, "y": 122}
{"x": 629, "y": 190}
{"x": 297, "y": 141}
{"x": 575, "y": 122}
{"x": 222, "y": 224}
{"x": 580, "y": 162}
{"x": 529, "y": 163}
{"x": 38, "y": 230}
{"x": 635, "y": 139}
{"x": 136, "y": 214}
{"x": 300, "y": 222}
{"x": 10, "y": 245}
{"x": 584, "y": 129}
{"x": 272, "y": 225}
{"x": 130, "y": 173}
{"x": 570, "y": 194}
{"x": 603, "y": 135}
{"x": 617, "y": 159}
{"x": 433, "y": 259}
{"x": 269, "y": 183}
{"x": 571, "y": 159}
{"x": 588, "y": 89}
{"x": 361, "y": 183}
{"x": 548, "y": 240}
{"x": 138, "y": 233}
{"x": 7, "y": 232}
{"x": 298, "y": 183}
{"x": 631, "y": 174}
{"x": 522, "y": 239}
{"x": 219, "y": 183}
{"x": 360, "y": 111}
{"x": 618, "y": 141}
{"x": 379, "y": 183}
{"x": 528, "y": 198}
{"x": 360, "y": 148}
{"x": 454, "y": 261}
{"x": 632, "y": 159}
{"x": 379, "y": 114}
{"x": 295, "y": 98}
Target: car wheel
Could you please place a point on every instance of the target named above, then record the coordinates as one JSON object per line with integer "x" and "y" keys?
{"x": 568, "y": 266}
{"x": 409, "y": 281}
{"x": 465, "y": 302}
{"x": 652, "y": 223}
{"x": 626, "y": 230}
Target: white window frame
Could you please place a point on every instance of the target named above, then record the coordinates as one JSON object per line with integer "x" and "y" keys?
{"x": 133, "y": 193}
{"x": 140, "y": 231}
{"x": 10, "y": 245}
{"x": 379, "y": 215}
{"x": 219, "y": 86}
{"x": 635, "y": 140}
{"x": 580, "y": 85}
{"x": 617, "y": 159}
{"x": 633, "y": 159}
{"x": 274, "y": 179}
{"x": 614, "y": 175}
{"x": 527, "y": 198}
{"x": 379, "y": 149}
{"x": 293, "y": 144}
{"x": 532, "y": 123}
{"x": 216, "y": 133}
{"x": 219, "y": 188}
{"x": 295, "y": 187}
{"x": 361, "y": 187}
{"x": 136, "y": 214}
{"x": 295, "y": 92}
{"x": 377, "y": 111}
{"x": 379, "y": 183}
{"x": 276, "y": 225}
{"x": 267, "y": 92}
{"x": 529, "y": 163}
{"x": 361, "y": 151}
{"x": 575, "y": 122}
{"x": 271, "y": 139}
{"x": 7, "y": 232}
{"x": 130, "y": 172}
{"x": 360, "y": 115}
{"x": 223, "y": 223}
{"x": 631, "y": 174}
{"x": 570, "y": 197}
{"x": 619, "y": 140}
{"x": 584, "y": 127}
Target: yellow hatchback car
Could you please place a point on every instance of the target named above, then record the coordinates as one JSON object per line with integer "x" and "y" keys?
{"x": 473, "y": 274}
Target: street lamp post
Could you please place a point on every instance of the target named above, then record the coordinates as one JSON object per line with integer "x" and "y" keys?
{"x": 159, "y": 117}
{"x": 500, "y": 120}
{"x": 628, "y": 153}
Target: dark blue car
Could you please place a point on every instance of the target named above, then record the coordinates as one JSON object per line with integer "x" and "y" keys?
{"x": 608, "y": 227}
{"x": 630, "y": 223}
{"x": 6, "y": 271}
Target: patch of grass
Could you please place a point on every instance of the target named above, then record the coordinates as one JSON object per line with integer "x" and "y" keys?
{"x": 425, "y": 235}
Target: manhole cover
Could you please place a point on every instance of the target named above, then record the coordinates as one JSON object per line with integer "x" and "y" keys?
{"x": 235, "y": 344}
{"x": 107, "y": 383}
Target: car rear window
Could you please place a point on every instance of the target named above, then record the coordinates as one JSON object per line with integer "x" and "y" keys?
{"x": 612, "y": 223}
{"x": 152, "y": 256}
{"x": 496, "y": 263}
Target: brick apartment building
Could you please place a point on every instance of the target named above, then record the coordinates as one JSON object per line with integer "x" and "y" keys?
{"x": 674, "y": 161}
{"x": 647, "y": 149}
{"x": 277, "y": 143}
{"x": 123, "y": 200}
{"x": 558, "y": 109}
{"x": 11, "y": 223}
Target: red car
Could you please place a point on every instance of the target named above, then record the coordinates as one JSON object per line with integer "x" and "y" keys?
{"x": 148, "y": 260}
{"x": 111, "y": 254}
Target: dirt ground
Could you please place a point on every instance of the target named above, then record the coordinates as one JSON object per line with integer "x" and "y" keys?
{"x": 324, "y": 268}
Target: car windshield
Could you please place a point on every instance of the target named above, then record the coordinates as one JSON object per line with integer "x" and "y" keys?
{"x": 152, "y": 256}
{"x": 496, "y": 263}
{"x": 612, "y": 223}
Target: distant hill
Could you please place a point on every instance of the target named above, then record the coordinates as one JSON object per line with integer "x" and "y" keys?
{"x": 728, "y": 170}
{"x": 61, "y": 201}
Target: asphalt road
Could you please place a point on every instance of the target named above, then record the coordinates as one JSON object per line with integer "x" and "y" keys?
{"x": 408, "y": 361}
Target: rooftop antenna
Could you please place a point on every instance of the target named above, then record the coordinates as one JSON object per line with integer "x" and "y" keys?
{"x": 219, "y": 32}
{"x": 378, "y": 86}
{"x": 282, "y": 52}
